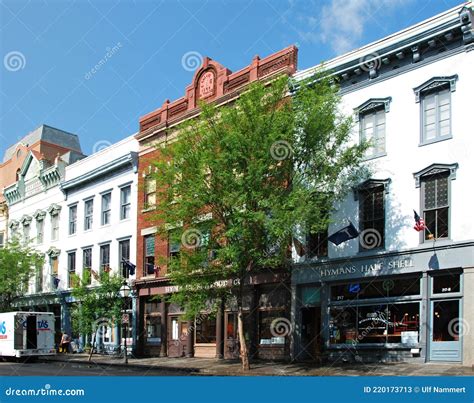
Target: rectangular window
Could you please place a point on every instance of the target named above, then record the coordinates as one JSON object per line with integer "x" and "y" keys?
{"x": 87, "y": 265}
{"x": 105, "y": 258}
{"x": 435, "y": 190}
{"x": 149, "y": 243}
{"x": 124, "y": 254}
{"x": 372, "y": 130}
{"x": 205, "y": 330}
{"x": 380, "y": 324}
{"x": 39, "y": 278}
{"x": 267, "y": 320}
{"x": 376, "y": 289}
{"x": 150, "y": 192}
{"x": 71, "y": 268}
{"x": 153, "y": 329}
{"x": 2, "y": 239}
{"x": 54, "y": 262}
{"x": 72, "y": 220}
{"x": 436, "y": 116}
{"x": 39, "y": 231}
{"x": 175, "y": 328}
{"x": 106, "y": 205}
{"x": 55, "y": 227}
{"x": 88, "y": 214}
{"x": 317, "y": 244}
{"x": 173, "y": 246}
{"x": 125, "y": 202}
{"x": 26, "y": 232}
{"x": 446, "y": 283}
{"x": 372, "y": 217}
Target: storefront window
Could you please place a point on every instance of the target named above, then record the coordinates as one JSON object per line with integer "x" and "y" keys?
{"x": 383, "y": 323}
{"x": 153, "y": 329}
{"x": 273, "y": 327}
{"x": 447, "y": 283}
{"x": 206, "y": 330}
{"x": 376, "y": 289}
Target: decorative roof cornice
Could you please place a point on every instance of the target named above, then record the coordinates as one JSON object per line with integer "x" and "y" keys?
{"x": 129, "y": 159}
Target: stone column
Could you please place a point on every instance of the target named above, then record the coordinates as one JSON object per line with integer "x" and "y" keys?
{"x": 424, "y": 319}
{"x": 220, "y": 331}
{"x": 164, "y": 329}
{"x": 190, "y": 340}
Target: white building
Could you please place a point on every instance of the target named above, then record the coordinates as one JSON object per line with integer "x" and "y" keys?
{"x": 394, "y": 293}
{"x": 100, "y": 217}
{"x": 80, "y": 213}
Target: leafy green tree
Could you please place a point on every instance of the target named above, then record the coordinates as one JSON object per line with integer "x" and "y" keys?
{"x": 96, "y": 306}
{"x": 18, "y": 263}
{"x": 237, "y": 181}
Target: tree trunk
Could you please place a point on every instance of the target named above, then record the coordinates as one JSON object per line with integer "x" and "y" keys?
{"x": 92, "y": 346}
{"x": 244, "y": 354}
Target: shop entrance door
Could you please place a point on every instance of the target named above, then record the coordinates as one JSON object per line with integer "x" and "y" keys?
{"x": 445, "y": 330}
{"x": 311, "y": 333}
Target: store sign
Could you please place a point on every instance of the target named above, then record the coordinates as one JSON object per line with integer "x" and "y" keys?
{"x": 367, "y": 269}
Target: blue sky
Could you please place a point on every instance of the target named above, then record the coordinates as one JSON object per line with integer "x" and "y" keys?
{"x": 49, "y": 48}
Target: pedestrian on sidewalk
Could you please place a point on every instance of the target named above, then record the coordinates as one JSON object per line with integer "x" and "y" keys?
{"x": 65, "y": 344}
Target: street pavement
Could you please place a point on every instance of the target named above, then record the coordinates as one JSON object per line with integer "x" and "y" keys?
{"x": 78, "y": 364}
{"x": 78, "y": 369}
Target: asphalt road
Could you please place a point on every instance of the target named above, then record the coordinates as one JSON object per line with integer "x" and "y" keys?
{"x": 70, "y": 369}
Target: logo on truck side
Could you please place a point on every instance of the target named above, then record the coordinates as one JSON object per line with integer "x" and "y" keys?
{"x": 3, "y": 330}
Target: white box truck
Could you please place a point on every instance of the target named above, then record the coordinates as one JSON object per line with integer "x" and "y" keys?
{"x": 26, "y": 334}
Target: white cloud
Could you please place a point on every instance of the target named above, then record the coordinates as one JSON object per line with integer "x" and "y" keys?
{"x": 341, "y": 23}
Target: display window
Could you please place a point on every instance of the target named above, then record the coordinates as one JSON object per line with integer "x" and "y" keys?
{"x": 206, "y": 330}
{"x": 153, "y": 329}
{"x": 273, "y": 327}
{"x": 378, "y": 323}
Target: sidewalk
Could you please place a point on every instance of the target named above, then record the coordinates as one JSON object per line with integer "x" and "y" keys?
{"x": 214, "y": 367}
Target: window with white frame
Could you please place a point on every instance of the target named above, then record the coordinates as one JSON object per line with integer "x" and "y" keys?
{"x": 88, "y": 214}
{"x": 124, "y": 256}
{"x": 125, "y": 202}
{"x": 40, "y": 230}
{"x": 371, "y": 117}
{"x": 26, "y": 231}
{"x": 72, "y": 220}
{"x": 55, "y": 227}
{"x": 434, "y": 97}
{"x": 87, "y": 265}
{"x": 435, "y": 184}
{"x": 2, "y": 239}
{"x": 106, "y": 208}
{"x": 105, "y": 258}
{"x": 71, "y": 268}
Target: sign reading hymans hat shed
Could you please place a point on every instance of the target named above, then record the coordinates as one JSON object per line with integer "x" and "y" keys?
{"x": 448, "y": 256}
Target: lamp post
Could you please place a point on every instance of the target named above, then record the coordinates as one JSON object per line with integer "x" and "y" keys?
{"x": 125, "y": 291}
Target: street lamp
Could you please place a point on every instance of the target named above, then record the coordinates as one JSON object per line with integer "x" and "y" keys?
{"x": 125, "y": 291}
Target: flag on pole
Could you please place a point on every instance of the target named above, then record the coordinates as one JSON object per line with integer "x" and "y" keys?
{"x": 299, "y": 247}
{"x": 56, "y": 282}
{"x": 130, "y": 267}
{"x": 344, "y": 234}
{"x": 419, "y": 223}
{"x": 152, "y": 269}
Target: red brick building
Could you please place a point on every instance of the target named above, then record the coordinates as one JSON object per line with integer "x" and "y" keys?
{"x": 160, "y": 328}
